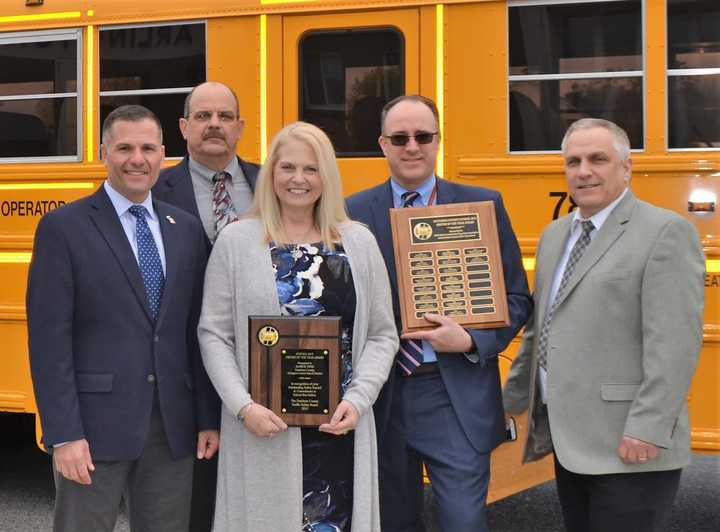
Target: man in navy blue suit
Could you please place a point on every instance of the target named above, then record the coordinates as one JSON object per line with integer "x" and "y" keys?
{"x": 447, "y": 411}
{"x": 215, "y": 185}
{"x": 113, "y": 301}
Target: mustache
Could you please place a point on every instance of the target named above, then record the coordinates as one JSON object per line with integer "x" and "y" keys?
{"x": 214, "y": 134}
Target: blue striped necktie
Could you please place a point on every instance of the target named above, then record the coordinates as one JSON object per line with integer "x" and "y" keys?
{"x": 410, "y": 355}
{"x": 148, "y": 260}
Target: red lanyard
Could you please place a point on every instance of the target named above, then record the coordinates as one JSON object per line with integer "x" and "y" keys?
{"x": 433, "y": 195}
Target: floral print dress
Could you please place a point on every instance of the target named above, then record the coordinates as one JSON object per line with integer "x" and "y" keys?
{"x": 313, "y": 280}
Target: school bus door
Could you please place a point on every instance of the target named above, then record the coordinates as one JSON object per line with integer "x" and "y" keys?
{"x": 337, "y": 70}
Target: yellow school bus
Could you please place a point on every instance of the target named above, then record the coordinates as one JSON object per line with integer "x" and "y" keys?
{"x": 508, "y": 75}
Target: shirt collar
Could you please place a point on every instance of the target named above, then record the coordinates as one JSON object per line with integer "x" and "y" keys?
{"x": 599, "y": 218}
{"x": 122, "y": 204}
{"x": 232, "y": 168}
{"x": 425, "y": 190}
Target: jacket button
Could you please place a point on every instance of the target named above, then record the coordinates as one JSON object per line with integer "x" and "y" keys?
{"x": 156, "y": 338}
{"x": 151, "y": 378}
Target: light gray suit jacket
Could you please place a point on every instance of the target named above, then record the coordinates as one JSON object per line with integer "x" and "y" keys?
{"x": 623, "y": 343}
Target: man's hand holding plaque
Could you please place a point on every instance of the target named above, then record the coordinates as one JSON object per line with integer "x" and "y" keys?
{"x": 447, "y": 337}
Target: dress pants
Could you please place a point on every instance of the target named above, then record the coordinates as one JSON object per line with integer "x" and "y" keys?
{"x": 202, "y": 508}
{"x": 157, "y": 490}
{"x": 622, "y": 502}
{"x": 423, "y": 427}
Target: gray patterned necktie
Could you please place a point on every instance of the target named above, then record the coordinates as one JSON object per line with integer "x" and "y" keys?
{"x": 575, "y": 255}
{"x": 223, "y": 208}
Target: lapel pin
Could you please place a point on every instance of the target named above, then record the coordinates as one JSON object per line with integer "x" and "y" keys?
{"x": 170, "y": 219}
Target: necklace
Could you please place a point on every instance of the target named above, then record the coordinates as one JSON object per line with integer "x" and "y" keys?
{"x": 295, "y": 250}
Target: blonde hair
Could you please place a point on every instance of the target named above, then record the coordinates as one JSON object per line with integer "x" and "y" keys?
{"x": 329, "y": 210}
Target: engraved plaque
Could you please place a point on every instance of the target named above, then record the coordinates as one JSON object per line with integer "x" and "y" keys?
{"x": 294, "y": 366}
{"x": 448, "y": 261}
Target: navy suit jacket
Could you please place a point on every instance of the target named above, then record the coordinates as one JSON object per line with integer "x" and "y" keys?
{"x": 96, "y": 356}
{"x": 175, "y": 187}
{"x": 473, "y": 388}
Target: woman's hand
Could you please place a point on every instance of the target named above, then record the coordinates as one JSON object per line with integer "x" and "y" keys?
{"x": 261, "y": 421}
{"x": 344, "y": 419}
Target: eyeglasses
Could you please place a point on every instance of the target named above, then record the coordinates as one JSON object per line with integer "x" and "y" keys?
{"x": 421, "y": 137}
{"x": 205, "y": 116}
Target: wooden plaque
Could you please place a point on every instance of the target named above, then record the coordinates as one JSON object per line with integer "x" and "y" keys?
{"x": 294, "y": 365}
{"x": 448, "y": 262}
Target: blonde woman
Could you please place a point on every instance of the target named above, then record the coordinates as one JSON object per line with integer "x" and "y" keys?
{"x": 298, "y": 254}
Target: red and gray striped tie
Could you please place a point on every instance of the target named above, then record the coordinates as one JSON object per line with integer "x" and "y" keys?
{"x": 223, "y": 208}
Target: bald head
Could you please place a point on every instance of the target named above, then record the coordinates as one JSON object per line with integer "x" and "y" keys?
{"x": 211, "y": 124}
{"x": 212, "y": 85}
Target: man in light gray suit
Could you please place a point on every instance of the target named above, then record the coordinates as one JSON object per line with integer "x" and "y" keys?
{"x": 608, "y": 356}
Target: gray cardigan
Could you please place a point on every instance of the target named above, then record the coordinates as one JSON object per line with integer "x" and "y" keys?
{"x": 260, "y": 479}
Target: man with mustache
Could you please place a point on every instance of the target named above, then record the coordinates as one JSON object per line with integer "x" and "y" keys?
{"x": 211, "y": 182}
{"x": 215, "y": 185}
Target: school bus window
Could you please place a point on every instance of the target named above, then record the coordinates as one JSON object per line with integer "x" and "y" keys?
{"x": 693, "y": 74}
{"x": 346, "y": 78}
{"x": 569, "y": 61}
{"x": 39, "y": 106}
{"x": 155, "y": 66}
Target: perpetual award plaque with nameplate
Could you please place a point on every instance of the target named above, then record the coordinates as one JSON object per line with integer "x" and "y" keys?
{"x": 448, "y": 262}
{"x": 294, "y": 366}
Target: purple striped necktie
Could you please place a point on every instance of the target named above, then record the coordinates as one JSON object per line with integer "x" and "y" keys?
{"x": 410, "y": 355}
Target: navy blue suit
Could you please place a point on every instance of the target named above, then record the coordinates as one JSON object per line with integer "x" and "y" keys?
{"x": 473, "y": 389}
{"x": 96, "y": 355}
{"x": 175, "y": 187}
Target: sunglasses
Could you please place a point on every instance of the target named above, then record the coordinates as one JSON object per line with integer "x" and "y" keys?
{"x": 400, "y": 139}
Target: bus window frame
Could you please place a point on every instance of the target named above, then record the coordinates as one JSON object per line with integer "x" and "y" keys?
{"x": 680, "y": 72}
{"x": 147, "y": 92}
{"x": 345, "y": 31}
{"x": 51, "y": 36}
{"x": 575, "y": 75}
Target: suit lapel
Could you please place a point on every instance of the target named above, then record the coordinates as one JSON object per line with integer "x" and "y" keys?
{"x": 552, "y": 249}
{"x": 380, "y": 209}
{"x": 172, "y": 255}
{"x": 446, "y": 192}
{"x": 250, "y": 173}
{"x": 611, "y": 230}
{"x": 180, "y": 190}
{"x": 105, "y": 218}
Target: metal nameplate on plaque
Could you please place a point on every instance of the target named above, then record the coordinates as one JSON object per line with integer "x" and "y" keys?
{"x": 448, "y": 262}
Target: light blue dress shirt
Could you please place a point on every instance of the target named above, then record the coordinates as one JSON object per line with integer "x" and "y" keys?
{"x": 128, "y": 221}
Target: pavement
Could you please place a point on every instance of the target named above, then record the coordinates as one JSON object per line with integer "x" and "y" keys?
{"x": 26, "y": 493}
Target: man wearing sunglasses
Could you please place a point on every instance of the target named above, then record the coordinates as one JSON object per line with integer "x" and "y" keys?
{"x": 447, "y": 412}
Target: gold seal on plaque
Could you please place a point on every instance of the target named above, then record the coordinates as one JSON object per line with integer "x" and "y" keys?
{"x": 268, "y": 336}
{"x": 422, "y": 231}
